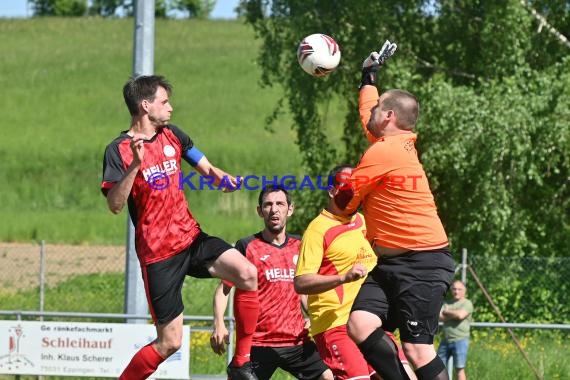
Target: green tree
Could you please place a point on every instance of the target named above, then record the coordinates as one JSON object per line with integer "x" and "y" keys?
{"x": 105, "y": 8}
{"x": 498, "y": 161}
{"x": 494, "y": 131}
{"x": 196, "y": 8}
{"x": 108, "y": 8}
{"x": 59, "y": 7}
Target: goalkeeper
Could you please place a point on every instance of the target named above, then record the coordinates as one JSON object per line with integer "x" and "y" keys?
{"x": 415, "y": 268}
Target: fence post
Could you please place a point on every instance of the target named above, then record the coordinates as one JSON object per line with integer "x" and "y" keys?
{"x": 449, "y": 364}
{"x": 42, "y": 275}
{"x": 143, "y": 64}
{"x": 464, "y": 266}
{"x": 42, "y": 283}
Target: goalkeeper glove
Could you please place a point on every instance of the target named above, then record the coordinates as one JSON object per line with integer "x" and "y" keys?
{"x": 371, "y": 64}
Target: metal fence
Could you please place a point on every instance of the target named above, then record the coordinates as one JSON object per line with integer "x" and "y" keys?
{"x": 28, "y": 270}
{"x": 42, "y": 281}
{"x": 35, "y": 276}
{"x": 523, "y": 289}
{"x": 92, "y": 278}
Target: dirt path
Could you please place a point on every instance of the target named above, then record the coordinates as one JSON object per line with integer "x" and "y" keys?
{"x": 20, "y": 263}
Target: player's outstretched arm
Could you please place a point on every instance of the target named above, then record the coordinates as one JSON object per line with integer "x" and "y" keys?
{"x": 219, "y": 177}
{"x": 368, "y": 97}
{"x": 220, "y": 336}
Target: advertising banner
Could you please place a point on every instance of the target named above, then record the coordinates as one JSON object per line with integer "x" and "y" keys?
{"x": 82, "y": 349}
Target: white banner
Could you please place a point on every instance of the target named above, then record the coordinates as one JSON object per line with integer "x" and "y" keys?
{"x": 82, "y": 349}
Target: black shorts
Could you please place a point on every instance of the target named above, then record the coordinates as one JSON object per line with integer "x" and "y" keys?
{"x": 407, "y": 292}
{"x": 163, "y": 280}
{"x": 301, "y": 361}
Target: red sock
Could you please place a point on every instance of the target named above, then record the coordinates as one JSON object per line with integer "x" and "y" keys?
{"x": 246, "y": 311}
{"x": 143, "y": 364}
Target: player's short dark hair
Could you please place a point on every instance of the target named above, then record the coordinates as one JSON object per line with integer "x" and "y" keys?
{"x": 142, "y": 88}
{"x": 272, "y": 189}
{"x": 405, "y": 105}
{"x": 333, "y": 180}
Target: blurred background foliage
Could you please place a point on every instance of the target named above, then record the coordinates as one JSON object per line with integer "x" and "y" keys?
{"x": 200, "y": 9}
{"x": 494, "y": 86}
{"x": 493, "y": 82}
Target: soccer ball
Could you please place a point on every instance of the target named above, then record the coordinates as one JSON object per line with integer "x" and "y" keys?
{"x": 318, "y": 54}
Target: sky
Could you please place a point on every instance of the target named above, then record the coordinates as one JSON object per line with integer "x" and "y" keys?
{"x": 19, "y": 8}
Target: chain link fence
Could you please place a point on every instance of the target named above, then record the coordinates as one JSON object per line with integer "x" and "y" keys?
{"x": 524, "y": 289}
{"x": 48, "y": 277}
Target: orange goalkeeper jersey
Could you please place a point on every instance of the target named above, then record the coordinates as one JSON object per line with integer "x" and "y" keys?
{"x": 393, "y": 189}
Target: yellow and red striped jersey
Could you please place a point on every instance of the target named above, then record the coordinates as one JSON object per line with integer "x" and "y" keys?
{"x": 331, "y": 245}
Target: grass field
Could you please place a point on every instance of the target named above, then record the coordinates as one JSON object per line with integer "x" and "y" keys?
{"x": 64, "y": 104}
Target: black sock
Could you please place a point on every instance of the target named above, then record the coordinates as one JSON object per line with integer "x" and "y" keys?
{"x": 381, "y": 353}
{"x": 434, "y": 370}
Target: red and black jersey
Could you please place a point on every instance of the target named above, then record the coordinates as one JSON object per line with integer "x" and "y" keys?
{"x": 280, "y": 322}
{"x": 164, "y": 225}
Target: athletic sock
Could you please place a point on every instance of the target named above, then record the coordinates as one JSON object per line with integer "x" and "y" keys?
{"x": 401, "y": 356}
{"x": 434, "y": 370}
{"x": 381, "y": 353}
{"x": 143, "y": 364}
{"x": 246, "y": 312}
